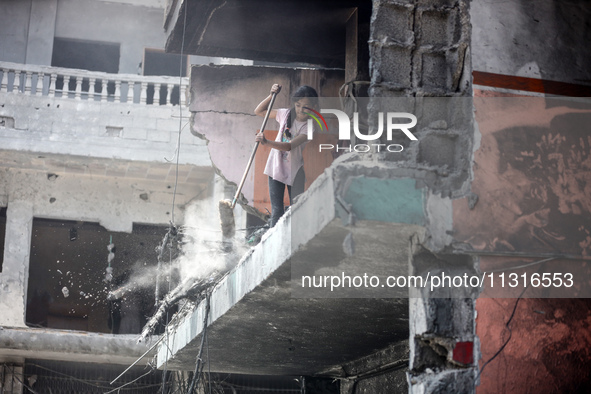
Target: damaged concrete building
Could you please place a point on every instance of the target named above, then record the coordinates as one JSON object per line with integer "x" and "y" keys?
{"x": 89, "y": 120}
{"x": 107, "y": 146}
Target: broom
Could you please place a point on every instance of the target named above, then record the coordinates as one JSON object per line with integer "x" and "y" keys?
{"x": 226, "y": 207}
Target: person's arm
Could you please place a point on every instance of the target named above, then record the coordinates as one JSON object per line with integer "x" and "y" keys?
{"x": 284, "y": 146}
{"x": 261, "y": 109}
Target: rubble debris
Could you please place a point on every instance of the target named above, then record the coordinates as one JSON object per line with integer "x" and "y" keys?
{"x": 191, "y": 288}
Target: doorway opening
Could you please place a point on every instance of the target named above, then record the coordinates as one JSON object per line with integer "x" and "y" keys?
{"x": 85, "y": 55}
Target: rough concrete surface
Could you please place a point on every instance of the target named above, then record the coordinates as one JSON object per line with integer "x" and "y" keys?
{"x": 103, "y": 130}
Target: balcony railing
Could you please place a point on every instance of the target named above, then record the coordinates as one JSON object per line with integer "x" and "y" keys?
{"x": 76, "y": 84}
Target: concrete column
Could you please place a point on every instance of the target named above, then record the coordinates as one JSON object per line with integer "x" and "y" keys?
{"x": 421, "y": 48}
{"x": 41, "y": 32}
{"x": 15, "y": 271}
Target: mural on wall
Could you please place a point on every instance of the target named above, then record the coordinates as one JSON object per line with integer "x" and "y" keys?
{"x": 532, "y": 178}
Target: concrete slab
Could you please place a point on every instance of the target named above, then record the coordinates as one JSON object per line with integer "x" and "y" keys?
{"x": 228, "y": 29}
{"x": 258, "y": 324}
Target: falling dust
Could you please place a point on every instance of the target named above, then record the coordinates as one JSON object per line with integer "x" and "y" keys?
{"x": 205, "y": 249}
{"x": 198, "y": 257}
{"x": 201, "y": 257}
{"x": 203, "y": 252}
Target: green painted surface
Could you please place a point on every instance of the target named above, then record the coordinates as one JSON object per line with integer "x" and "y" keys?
{"x": 386, "y": 200}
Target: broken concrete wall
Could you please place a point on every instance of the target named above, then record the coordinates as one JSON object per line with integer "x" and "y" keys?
{"x": 223, "y": 100}
{"x": 305, "y": 333}
{"x": 444, "y": 345}
{"x": 422, "y": 48}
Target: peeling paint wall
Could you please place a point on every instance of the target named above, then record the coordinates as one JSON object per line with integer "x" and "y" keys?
{"x": 531, "y": 175}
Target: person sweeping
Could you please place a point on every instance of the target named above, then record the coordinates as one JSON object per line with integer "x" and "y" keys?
{"x": 285, "y": 165}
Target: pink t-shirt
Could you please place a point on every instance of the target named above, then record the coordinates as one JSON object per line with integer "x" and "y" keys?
{"x": 284, "y": 165}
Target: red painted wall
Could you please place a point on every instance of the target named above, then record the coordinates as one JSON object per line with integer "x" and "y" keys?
{"x": 532, "y": 175}
{"x": 549, "y": 350}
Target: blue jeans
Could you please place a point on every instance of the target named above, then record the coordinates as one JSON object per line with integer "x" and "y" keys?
{"x": 277, "y": 192}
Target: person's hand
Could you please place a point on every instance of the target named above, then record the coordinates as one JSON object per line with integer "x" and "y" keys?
{"x": 261, "y": 138}
{"x": 276, "y": 88}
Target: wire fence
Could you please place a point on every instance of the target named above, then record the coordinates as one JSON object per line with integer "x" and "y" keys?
{"x": 83, "y": 378}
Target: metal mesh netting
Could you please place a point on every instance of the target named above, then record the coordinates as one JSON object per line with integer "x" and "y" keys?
{"x": 84, "y": 378}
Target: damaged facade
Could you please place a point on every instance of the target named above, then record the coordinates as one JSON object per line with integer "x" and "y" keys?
{"x": 89, "y": 123}
{"x": 89, "y": 157}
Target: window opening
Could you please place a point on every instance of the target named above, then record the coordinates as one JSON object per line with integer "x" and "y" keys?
{"x": 68, "y": 286}
{"x": 85, "y": 55}
{"x": 159, "y": 63}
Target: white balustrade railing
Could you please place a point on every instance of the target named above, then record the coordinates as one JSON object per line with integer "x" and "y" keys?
{"x": 77, "y": 84}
